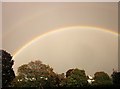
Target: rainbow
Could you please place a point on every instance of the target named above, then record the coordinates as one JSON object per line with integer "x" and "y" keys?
{"x": 61, "y": 29}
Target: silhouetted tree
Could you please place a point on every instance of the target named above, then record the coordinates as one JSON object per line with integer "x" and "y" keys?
{"x": 116, "y": 78}
{"x": 69, "y": 72}
{"x": 7, "y": 70}
{"x": 102, "y": 79}
{"x": 35, "y": 74}
{"x": 60, "y": 80}
{"x": 76, "y": 78}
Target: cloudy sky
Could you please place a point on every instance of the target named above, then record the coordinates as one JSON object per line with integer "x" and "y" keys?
{"x": 23, "y": 23}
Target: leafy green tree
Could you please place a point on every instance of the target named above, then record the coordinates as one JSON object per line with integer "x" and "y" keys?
{"x": 7, "y": 70}
{"x": 116, "y": 78}
{"x": 69, "y": 72}
{"x": 102, "y": 79}
{"x": 76, "y": 78}
{"x": 61, "y": 80}
{"x": 35, "y": 74}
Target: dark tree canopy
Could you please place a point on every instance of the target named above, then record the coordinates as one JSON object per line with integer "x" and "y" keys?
{"x": 116, "y": 78}
{"x": 102, "y": 78}
{"x": 35, "y": 74}
{"x": 69, "y": 72}
{"x": 76, "y": 78}
{"x": 7, "y": 70}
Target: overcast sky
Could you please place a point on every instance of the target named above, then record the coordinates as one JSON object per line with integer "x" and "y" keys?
{"x": 22, "y": 22}
{"x": 33, "y": 19}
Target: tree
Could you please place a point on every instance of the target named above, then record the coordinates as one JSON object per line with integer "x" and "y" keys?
{"x": 35, "y": 74}
{"x": 102, "y": 79}
{"x": 61, "y": 80}
{"x": 116, "y": 78}
{"x": 69, "y": 72}
{"x": 7, "y": 71}
{"x": 76, "y": 78}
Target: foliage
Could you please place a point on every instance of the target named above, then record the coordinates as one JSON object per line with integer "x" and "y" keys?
{"x": 7, "y": 70}
{"x": 76, "y": 78}
{"x": 102, "y": 78}
{"x": 35, "y": 74}
{"x": 116, "y": 78}
{"x": 69, "y": 72}
{"x": 61, "y": 80}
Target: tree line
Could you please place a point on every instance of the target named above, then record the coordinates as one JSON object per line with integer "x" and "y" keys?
{"x": 37, "y": 74}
